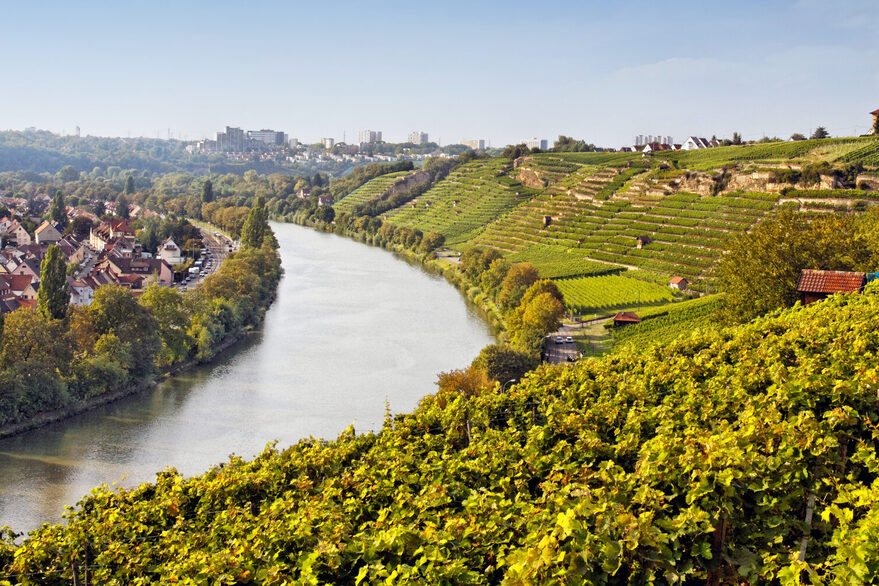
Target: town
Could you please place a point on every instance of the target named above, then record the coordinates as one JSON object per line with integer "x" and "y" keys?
{"x": 108, "y": 253}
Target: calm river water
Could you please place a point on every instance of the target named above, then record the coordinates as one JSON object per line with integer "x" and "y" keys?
{"x": 352, "y": 327}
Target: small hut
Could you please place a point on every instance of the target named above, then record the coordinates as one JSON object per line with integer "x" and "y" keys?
{"x": 625, "y": 318}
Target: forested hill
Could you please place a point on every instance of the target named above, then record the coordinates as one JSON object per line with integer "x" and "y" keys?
{"x": 746, "y": 455}
{"x": 41, "y": 151}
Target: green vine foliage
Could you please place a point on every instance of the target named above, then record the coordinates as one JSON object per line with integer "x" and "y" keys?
{"x": 697, "y": 462}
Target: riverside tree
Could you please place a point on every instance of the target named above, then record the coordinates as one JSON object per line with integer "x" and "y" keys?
{"x": 53, "y": 296}
{"x": 255, "y": 225}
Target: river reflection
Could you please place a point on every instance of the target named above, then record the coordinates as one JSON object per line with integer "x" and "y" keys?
{"x": 352, "y": 327}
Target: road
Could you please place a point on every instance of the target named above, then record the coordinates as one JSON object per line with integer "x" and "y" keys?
{"x": 218, "y": 246}
{"x": 554, "y": 352}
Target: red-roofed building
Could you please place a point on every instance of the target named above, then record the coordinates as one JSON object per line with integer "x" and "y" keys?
{"x": 625, "y": 318}
{"x": 875, "y": 114}
{"x": 679, "y": 283}
{"x": 816, "y": 285}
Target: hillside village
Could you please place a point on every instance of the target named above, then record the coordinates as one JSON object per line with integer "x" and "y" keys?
{"x": 110, "y": 254}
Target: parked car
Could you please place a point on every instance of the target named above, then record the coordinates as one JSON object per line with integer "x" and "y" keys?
{"x": 559, "y": 340}
{"x": 569, "y": 340}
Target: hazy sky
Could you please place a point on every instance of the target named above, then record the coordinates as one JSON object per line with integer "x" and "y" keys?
{"x": 504, "y": 71}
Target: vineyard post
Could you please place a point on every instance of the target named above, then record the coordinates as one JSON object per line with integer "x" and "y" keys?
{"x": 75, "y": 571}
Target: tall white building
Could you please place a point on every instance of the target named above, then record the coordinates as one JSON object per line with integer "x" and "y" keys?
{"x": 328, "y": 142}
{"x": 267, "y": 136}
{"x": 477, "y": 144}
{"x": 370, "y": 136}
{"x": 537, "y": 143}
{"x": 642, "y": 139}
{"x": 418, "y": 137}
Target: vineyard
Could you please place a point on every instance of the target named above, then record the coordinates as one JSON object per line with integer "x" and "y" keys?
{"x": 369, "y": 191}
{"x": 741, "y": 456}
{"x": 460, "y": 205}
{"x": 661, "y": 325}
{"x": 603, "y": 294}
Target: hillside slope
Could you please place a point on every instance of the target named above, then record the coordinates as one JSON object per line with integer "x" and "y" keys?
{"x": 725, "y": 457}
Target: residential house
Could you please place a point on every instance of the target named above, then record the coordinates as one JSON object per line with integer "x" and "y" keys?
{"x": 16, "y": 233}
{"x": 816, "y": 285}
{"x": 21, "y": 286}
{"x": 625, "y": 318}
{"x": 694, "y": 143}
{"x": 81, "y": 293}
{"x": 325, "y": 200}
{"x": 170, "y": 252}
{"x": 137, "y": 273}
{"x": 303, "y": 193}
{"x": 29, "y": 267}
{"x": 47, "y": 233}
{"x": 109, "y": 232}
{"x": 679, "y": 283}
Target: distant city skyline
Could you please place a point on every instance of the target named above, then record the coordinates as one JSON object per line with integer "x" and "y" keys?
{"x": 598, "y": 71}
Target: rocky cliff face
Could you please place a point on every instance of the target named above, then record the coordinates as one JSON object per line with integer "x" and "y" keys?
{"x": 406, "y": 183}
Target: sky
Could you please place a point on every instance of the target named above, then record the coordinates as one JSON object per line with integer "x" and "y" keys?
{"x": 502, "y": 71}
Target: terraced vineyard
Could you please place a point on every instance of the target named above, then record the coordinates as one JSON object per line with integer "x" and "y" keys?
{"x": 688, "y": 232}
{"x": 461, "y": 205}
{"x": 610, "y": 292}
{"x": 368, "y": 191}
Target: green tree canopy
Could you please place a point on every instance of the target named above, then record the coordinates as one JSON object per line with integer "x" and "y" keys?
{"x": 53, "y": 296}
{"x": 58, "y": 210}
{"x": 207, "y": 191}
{"x": 820, "y": 132}
{"x": 255, "y": 225}
{"x": 129, "y": 185}
{"x": 520, "y": 276}
{"x": 502, "y": 363}
{"x": 760, "y": 271}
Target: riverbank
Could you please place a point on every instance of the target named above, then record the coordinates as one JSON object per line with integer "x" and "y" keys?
{"x": 54, "y": 416}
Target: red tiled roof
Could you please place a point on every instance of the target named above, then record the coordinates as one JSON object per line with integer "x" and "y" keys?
{"x": 627, "y": 316}
{"x": 812, "y": 281}
{"x": 677, "y": 280}
{"x": 875, "y": 112}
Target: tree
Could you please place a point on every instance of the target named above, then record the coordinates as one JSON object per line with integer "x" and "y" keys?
{"x": 876, "y": 125}
{"x": 502, "y": 363}
{"x": 122, "y": 206}
{"x": 736, "y": 138}
{"x": 129, "y": 185}
{"x": 207, "y": 191}
{"x": 167, "y": 307}
{"x": 58, "y": 210}
{"x": 760, "y": 272}
{"x": 67, "y": 173}
{"x": 520, "y": 276}
{"x": 114, "y": 310}
{"x": 530, "y": 323}
{"x": 514, "y": 151}
{"x": 797, "y": 136}
{"x": 820, "y": 132}
{"x": 80, "y": 226}
{"x": 255, "y": 225}
{"x": 53, "y": 296}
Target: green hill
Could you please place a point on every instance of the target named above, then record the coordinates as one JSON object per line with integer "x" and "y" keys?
{"x": 746, "y": 455}
{"x": 462, "y": 204}
{"x": 369, "y": 191}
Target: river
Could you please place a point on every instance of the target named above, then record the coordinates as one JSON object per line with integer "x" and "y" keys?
{"x": 353, "y": 327}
